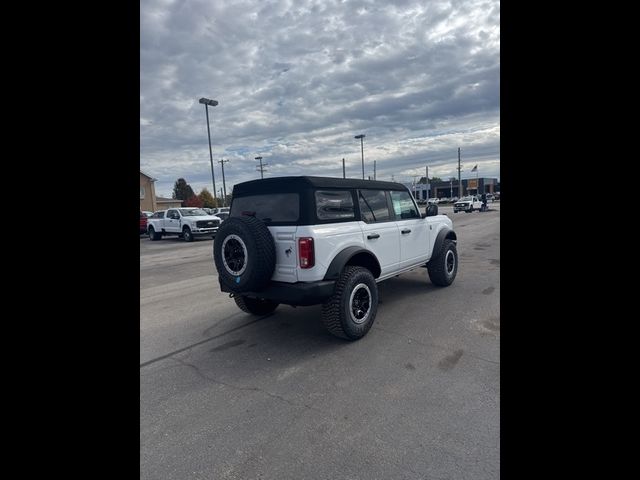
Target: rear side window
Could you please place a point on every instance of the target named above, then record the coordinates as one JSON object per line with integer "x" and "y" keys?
{"x": 334, "y": 205}
{"x": 273, "y": 207}
{"x": 157, "y": 215}
{"x": 403, "y": 205}
{"x": 373, "y": 206}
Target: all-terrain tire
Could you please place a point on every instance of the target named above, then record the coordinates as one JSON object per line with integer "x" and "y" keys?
{"x": 249, "y": 257}
{"x": 337, "y": 314}
{"x": 255, "y": 306}
{"x": 187, "y": 235}
{"x": 443, "y": 267}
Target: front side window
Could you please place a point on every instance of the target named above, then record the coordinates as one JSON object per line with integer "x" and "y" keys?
{"x": 403, "y": 205}
{"x": 334, "y": 205}
{"x": 373, "y": 206}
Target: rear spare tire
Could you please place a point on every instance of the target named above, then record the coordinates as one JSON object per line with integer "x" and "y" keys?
{"x": 244, "y": 254}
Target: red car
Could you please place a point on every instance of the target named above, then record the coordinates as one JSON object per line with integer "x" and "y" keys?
{"x": 143, "y": 223}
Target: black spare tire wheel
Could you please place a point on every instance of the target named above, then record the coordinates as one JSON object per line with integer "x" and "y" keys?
{"x": 244, "y": 254}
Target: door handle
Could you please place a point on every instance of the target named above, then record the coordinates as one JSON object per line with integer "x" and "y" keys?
{"x": 406, "y": 231}
{"x": 372, "y": 236}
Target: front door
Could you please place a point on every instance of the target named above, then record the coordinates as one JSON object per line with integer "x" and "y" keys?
{"x": 379, "y": 230}
{"x": 172, "y": 222}
{"x": 413, "y": 229}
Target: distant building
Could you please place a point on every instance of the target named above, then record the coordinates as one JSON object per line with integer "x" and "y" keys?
{"x": 165, "y": 203}
{"x": 148, "y": 200}
{"x": 450, "y": 189}
{"x": 147, "y": 193}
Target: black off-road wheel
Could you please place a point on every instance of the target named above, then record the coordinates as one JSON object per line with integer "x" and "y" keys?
{"x": 255, "y": 306}
{"x": 350, "y": 312}
{"x": 245, "y": 254}
{"x": 153, "y": 235}
{"x": 444, "y": 266}
{"x": 187, "y": 235}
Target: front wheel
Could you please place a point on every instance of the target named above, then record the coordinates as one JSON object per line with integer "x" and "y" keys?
{"x": 351, "y": 310}
{"x": 255, "y": 306}
{"x": 444, "y": 266}
{"x": 187, "y": 235}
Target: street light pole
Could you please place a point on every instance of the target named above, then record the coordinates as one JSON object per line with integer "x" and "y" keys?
{"x": 224, "y": 185}
{"x": 361, "y": 137}
{"x": 206, "y": 103}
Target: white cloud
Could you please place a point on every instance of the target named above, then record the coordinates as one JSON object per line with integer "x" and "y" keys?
{"x": 297, "y": 80}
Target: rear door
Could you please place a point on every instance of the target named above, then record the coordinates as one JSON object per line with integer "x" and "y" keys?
{"x": 379, "y": 230}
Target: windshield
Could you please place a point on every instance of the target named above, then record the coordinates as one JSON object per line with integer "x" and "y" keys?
{"x": 192, "y": 212}
{"x": 466, "y": 199}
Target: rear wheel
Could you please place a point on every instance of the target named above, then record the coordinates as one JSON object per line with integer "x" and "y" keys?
{"x": 255, "y": 306}
{"x": 153, "y": 235}
{"x": 351, "y": 310}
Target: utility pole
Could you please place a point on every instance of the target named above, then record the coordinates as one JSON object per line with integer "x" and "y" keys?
{"x": 426, "y": 182}
{"x": 344, "y": 175}
{"x": 459, "y": 178}
{"x": 261, "y": 167}
{"x": 374, "y": 169}
{"x": 224, "y": 185}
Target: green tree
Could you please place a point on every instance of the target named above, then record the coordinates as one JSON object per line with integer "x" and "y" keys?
{"x": 207, "y": 199}
{"x": 182, "y": 190}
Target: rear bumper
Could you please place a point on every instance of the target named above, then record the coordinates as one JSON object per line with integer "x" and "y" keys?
{"x": 298, "y": 294}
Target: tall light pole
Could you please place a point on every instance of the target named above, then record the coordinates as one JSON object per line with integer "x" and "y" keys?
{"x": 207, "y": 102}
{"x": 361, "y": 137}
{"x": 224, "y": 185}
{"x": 459, "y": 177}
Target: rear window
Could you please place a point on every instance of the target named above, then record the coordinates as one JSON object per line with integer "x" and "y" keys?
{"x": 273, "y": 207}
{"x": 334, "y": 205}
{"x": 373, "y": 206}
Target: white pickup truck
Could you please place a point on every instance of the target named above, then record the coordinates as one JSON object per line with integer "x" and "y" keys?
{"x": 467, "y": 204}
{"x": 184, "y": 222}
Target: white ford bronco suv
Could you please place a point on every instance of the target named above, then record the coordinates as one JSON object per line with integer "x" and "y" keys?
{"x": 316, "y": 240}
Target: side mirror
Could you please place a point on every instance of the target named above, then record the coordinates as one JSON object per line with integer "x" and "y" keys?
{"x": 432, "y": 209}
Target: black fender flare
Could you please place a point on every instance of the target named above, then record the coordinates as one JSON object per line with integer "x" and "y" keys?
{"x": 443, "y": 234}
{"x": 340, "y": 260}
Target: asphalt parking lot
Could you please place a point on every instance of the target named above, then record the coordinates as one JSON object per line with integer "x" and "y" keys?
{"x": 224, "y": 395}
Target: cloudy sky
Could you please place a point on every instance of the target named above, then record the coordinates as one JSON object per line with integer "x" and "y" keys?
{"x": 297, "y": 79}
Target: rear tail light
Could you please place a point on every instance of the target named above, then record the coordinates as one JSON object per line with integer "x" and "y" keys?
{"x": 306, "y": 252}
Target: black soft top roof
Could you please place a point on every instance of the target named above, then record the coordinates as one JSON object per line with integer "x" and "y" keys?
{"x": 297, "y": 184}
